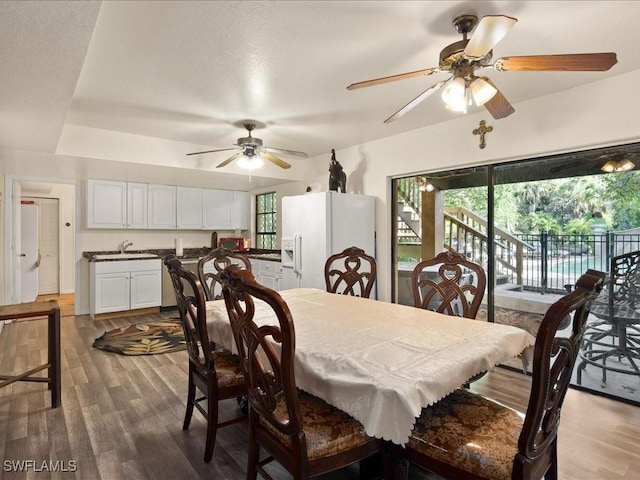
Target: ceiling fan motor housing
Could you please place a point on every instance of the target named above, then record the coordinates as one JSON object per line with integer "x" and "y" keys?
{"x": 250, "y": 141}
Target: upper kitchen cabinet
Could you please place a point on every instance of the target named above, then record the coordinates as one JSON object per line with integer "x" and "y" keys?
{"x": 161, "y": 207}
{"x": 137, "y": 205}
{"x": 217, "y": 207}
{"x": 113, "y": 204}
{"x": 241, "y": 210}
{"x": 189, "y": 208}
{"x": 106, "y": 204}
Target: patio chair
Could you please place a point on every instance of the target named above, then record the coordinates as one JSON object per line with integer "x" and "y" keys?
{"x": 612, "y": 342}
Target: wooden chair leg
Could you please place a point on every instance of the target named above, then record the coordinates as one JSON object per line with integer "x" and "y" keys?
{"x": 191, "y": 395}
{"x": 401, "y": 470}
{"x": 552, "y": 473}
{"x": 212, "y": 422}
{"x": 253, "y": 456}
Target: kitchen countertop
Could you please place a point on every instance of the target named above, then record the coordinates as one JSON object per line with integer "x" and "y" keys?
{"x": 188, "y": 253}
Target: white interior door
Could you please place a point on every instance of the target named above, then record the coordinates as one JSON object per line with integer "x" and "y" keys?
{"x": 48, "y": 245}
{"x": 29, "y": 256}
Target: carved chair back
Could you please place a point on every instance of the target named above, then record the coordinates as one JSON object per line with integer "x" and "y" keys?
{"x": 216, "y": 374}
{"x": 266, "y": 353}
{"x": 190, "y": 298}
{"x": 553, "y": 361}
{"x": 210, "y": 268}
{"x": 449, "y": 283}
{"x": 350, "y": 272}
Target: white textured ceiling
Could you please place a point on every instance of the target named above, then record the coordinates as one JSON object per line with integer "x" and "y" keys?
{"x": 189, "y": 71}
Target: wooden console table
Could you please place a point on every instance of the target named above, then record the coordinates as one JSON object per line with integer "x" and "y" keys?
{"x": 30, "y": 311}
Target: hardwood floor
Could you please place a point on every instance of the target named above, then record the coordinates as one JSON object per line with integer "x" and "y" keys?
{"x": 66, "y": 302}
{"x": 121, "y": 417}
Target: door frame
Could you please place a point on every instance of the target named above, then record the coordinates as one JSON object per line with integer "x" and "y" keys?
{"x": 9, "y": 295}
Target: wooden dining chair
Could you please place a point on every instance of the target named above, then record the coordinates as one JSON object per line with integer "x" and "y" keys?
{"x": 350, "y": 272}
{"x": 215, "y": 373}
{"x": 469, "y": 436}
{"x": 449, "y": 283}
{"x": 211, "y": 266}
{"x": 306, "y": 435}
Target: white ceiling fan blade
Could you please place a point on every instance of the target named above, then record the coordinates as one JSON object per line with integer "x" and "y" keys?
{"x": 393, "y": 78}
{"x": 228, "y": 160}
{"x": 282, "y": 150}
{"x": 490, "y": 30}
{"x": 211, "y": 151}
{"x": 416, "y": 101}
{"x": 272, "y": 158}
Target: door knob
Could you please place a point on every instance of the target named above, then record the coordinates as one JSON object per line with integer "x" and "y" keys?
{"x": 23, "y": 254}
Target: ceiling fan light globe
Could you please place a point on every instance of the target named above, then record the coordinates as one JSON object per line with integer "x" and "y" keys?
{"x": 482, "y": 91}
{"x": 617, "y": 165}
{"x": 250, "y": 162}
{"x": 625, "y": 165}
{"x": 454, "y": 95}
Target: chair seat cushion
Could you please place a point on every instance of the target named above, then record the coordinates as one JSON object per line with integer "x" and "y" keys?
{"x": 228, "y": 368}
{"x": 328, "y": 430}
{"x": 470, "y": 432}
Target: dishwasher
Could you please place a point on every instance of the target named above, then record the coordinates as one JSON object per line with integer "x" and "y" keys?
{"x": 168, "y": 295}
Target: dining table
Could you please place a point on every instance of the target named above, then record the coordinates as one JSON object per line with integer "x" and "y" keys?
{"x": 380, "y": 362}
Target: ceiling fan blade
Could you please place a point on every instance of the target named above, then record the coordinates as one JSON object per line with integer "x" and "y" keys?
{"x": 575, "y": 62}
{"x": 229, "y": 160}
{"x": 490, "y": 30}
{"x": 499, "y": 107}
{"x": 393, "y": 78}
{"x": 432, "y": 89}
{"x": 282, "y": 150}
{"x": 211, "y": 151}
{"x": 274, "y": 159}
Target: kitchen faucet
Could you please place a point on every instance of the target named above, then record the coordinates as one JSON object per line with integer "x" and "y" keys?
{"x": 124, "y": 245}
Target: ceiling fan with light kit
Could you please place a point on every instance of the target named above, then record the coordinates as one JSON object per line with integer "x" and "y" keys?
{"x": 252, "y": 152}
{"x": 465, "y": 57}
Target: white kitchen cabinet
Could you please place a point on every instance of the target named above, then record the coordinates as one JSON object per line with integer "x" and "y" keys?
{"x": 112, "y": 204}
{"x": 267, "y": 273}
{"x": 124, "y": 285}
{"x": 161, "y": 207}
{"x": 137, "y": 205}
{"x": 241, "y": 210}
{"x": 189, "y": 208}
{"x": 106, "y": 204}
{"x": 217, "y": 206}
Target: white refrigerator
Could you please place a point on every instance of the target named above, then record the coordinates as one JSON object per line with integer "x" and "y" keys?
{"x": 317, "y": 225}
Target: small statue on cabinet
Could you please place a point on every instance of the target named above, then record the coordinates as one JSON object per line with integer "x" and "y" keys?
{"x": 337, "y": 177}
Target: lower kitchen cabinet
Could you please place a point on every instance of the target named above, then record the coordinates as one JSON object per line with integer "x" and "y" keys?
{"x": 124, "y": 285}
{"x": 267, "y": 273}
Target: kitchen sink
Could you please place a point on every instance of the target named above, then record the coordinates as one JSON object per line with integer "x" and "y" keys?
{"x": 124, "y": 256}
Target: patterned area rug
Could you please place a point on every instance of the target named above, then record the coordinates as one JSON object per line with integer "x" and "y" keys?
{"x": 143, "y": 339}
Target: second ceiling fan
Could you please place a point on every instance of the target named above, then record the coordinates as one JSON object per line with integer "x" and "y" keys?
{"x": 252, "y": 151}
{"x": 463, "y": 58}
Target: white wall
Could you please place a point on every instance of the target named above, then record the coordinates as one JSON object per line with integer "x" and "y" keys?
{"x": 593, "y": 115}
{"x": 596, "y": 114}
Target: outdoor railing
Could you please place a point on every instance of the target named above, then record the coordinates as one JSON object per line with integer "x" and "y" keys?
{"x": 556, "y": 261}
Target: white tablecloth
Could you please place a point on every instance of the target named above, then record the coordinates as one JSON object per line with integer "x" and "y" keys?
{"x": 380, "y": 362}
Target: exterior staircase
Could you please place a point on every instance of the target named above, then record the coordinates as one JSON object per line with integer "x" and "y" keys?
{"x": 465, "y": 232}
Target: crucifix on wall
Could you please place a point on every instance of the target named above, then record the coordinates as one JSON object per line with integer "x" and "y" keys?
{"x": 482, "y": 130}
